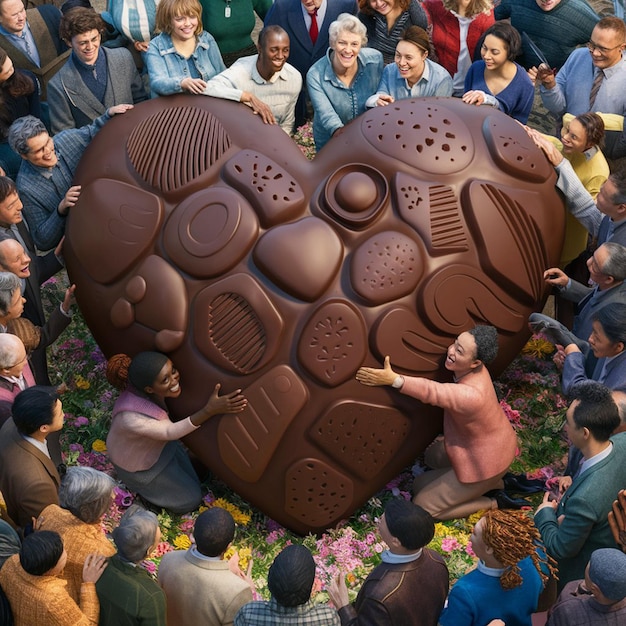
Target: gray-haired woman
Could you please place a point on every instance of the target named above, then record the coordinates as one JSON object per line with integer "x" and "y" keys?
{"x": 85, "y": 495}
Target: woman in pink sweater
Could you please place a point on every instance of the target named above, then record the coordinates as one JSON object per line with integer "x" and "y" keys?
{"x": 143, "y": 442}
{"x": 478, "y": 443}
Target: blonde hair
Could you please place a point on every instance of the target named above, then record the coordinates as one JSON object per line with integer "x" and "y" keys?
{"x": 167, "y": 10}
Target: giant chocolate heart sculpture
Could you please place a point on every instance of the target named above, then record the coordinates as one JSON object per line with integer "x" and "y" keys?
{"x": 206, "y": 234}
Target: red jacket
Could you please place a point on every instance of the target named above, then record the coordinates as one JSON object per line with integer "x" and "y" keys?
{"x": 445, "y": 34}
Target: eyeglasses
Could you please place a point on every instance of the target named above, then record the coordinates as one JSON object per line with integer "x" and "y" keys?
{"x": 18, "y": 363}
{"x": 594, "y": 266}
{"x": 601, "y": 49}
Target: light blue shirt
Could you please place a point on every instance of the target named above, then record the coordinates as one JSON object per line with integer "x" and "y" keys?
{"x": 25, "y": 42}
{"x": 435, "y": 81}
{"x": 167, "y": 68}
{"x": 573, "y": 87}
{"x": 335, "y": 104}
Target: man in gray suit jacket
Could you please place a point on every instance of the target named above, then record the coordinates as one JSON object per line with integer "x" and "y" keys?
{"x": 94, "y": 78}
{"x": 200, "y": 586}
{"x": 575, "y": 526}
{"x": 607, "y": 269}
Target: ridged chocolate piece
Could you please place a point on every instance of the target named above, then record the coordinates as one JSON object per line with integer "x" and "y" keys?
{"x": 206, "y": 234}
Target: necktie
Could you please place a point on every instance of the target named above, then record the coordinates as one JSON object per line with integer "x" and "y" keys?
{"x": 595, "y": 87}
{"x": 313, "y": 30}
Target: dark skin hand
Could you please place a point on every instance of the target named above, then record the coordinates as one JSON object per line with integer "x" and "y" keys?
{"x": 617, "y": 520}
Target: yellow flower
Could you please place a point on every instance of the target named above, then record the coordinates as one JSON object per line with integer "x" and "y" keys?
{"x": 474, "y": 517}
{"x": 182, "y": 542}
{"x": 245, "y": 554}
{"x": 82, "y": 383}
{"x": 99, "y": 446}
{"x": 538, "y": 347}
{"x": 241, "y": 518}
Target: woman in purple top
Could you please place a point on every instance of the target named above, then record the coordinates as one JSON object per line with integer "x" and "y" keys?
{"x": 497, "y": 80}
{"x": 143, "y": 442}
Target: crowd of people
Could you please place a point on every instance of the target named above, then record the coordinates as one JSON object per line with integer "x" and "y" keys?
{"x": 66, "y": 70}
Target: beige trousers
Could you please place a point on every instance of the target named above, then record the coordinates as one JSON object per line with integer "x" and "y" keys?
{"x": 441, "y": 493}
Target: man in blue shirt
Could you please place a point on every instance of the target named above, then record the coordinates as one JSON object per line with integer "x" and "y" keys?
{"x": 31, "y": 39}
{"x": 601, "y": 62}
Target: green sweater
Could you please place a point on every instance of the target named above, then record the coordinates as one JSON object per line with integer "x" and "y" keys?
{"x": 128, "y": 596}
{"x": 585, "y": 505}
{"x": 232, "y": 33}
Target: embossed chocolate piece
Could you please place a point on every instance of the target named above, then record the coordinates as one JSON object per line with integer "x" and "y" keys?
{"x": 204, "y": 233}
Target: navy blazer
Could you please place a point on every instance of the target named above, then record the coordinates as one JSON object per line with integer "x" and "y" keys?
{"x": 613, "y": 375}
{"x": 302, "y": 52}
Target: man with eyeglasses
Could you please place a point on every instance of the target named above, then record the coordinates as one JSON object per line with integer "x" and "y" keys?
{"x": 45, "y": 178}
{"x": 607, "y": 269}
{"x": 592, "y": 78}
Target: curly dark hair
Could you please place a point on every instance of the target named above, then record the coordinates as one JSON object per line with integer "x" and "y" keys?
{"x": 486, "y": 338}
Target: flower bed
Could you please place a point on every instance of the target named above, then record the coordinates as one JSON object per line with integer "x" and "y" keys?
{"x": 529, "y": 395}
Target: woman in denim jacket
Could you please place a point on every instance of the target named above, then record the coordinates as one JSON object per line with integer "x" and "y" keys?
{"x": 340, "y": 83}
{"x": 183, "y": 57}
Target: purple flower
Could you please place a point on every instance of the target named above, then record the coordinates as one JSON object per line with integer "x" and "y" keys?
{"x": 123, "y": 498}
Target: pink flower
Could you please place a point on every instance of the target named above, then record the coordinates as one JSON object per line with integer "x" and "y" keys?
{"x": 450, "y": 544}
{"x": 162, "y": 548}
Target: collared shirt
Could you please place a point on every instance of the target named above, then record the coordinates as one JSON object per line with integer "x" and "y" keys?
{"x": 273, "y": 614}
{"x": 321, "y": 14}
{"x": 25, "y": 42}
{"x": 203, "y": 557}
{"x": 596, "y": 458}
{"x": 94, "y": 76}
{"x": 16, "y": 380}
{"x": 335, "y": 104}
{"x": 40, "y": 445}
{"x": 280, "y": 92}
{"x": 494, "y": 572}
{"x": 573, "y": 87}
{"x": 391, "y": 557}
{"x": 434, "y": 81}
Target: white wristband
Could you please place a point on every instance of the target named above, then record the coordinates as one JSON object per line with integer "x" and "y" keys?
{"x": 398, "y": 382}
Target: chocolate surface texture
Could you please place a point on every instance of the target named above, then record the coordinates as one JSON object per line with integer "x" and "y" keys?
{"x": 206, "y": 234}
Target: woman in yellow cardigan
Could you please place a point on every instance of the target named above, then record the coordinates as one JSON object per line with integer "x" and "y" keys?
{"x": 581, "y": 143}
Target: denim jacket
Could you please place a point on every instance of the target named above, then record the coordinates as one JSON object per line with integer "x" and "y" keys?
{"x": 167, "y": 68}
{"x": 334, "y": 103}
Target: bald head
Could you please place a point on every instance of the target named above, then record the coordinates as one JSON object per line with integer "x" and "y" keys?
{"x": 12, "y": 355}
{"x": 14, "y": 259}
